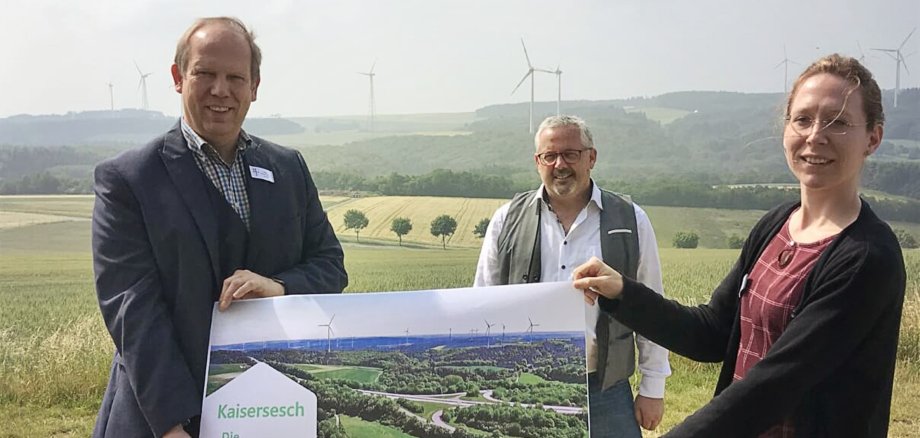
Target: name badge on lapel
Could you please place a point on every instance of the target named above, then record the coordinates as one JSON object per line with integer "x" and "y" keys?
{"x": 263, "y": 174}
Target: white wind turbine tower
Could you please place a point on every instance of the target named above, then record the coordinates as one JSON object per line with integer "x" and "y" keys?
{"x": 530, "y": 70}
{"x": 785, "y": 63}
{"x": 142, "y": 85}
{"x": 111, "y": 96}
{"x": 488, "y": 332}
{"x": 372, "y": 106}
{"x": 328, "y": 326}
{"x": 899, "y": 62}
{"x": 407, "y": 335}
{"x": 558, "y": 74}
{"x": 530, "y": 327}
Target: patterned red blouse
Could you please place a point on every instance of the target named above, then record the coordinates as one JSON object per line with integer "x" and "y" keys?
{"x": 777, "y": 281}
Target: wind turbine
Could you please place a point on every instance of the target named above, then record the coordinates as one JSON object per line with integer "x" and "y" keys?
{"x": 862, "y": 55}
{"x": 530, "y": 327}
{"x": 503, "y": 334}
{"x": 785, "y": 63}
{"x": 407, "y": 335}
{"x": 488, "y": 332}
{"x": 530, "y": 70}
{"x": 328, "y": 326}
{"x": 142, "y": 85}
{"x": 558, "y": 74}
{"x": 111, "y": 96}
{"x": 372, "y": 107}
{"x": 899, "y": 62}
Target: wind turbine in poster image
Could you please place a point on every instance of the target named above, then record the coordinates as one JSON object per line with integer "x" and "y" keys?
{"x": 329, "y": 333}
{"x": 530, "y": 328}
{"x": 488, "y": 332}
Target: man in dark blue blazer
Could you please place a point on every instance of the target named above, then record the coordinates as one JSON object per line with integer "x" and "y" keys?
{"x": 203, "y": 214}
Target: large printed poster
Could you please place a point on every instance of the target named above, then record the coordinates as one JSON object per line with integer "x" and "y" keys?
{"x": 493, "y": 361}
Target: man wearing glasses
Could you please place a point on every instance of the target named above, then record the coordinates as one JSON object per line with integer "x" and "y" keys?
{"x": 542, "y": 235}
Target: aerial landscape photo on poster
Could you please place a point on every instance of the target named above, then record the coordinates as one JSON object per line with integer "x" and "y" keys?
{"x": 495, "y": 361}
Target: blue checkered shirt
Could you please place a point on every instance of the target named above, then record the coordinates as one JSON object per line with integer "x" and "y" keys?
{"x": 227, "y": 177}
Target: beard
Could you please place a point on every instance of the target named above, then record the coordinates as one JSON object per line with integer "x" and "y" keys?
{"x": 566, "y": 186}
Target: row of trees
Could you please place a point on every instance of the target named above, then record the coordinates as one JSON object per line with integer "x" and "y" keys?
{"x": 519, "y": 421}
{"x": 45, "y": 183}
{"x": 678, "y": 193}
{"x": 443, "y": 226}
{"x": 440, "y": 182}
{"x": 690, "y": 239}
{"x": 675, "y": 193}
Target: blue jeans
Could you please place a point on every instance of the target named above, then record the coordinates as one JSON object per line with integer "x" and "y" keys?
{"x": 611, "y": 412}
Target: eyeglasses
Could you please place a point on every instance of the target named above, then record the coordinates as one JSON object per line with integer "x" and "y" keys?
{"x": 570, "y": 156}
{"x": 803, "y": 125}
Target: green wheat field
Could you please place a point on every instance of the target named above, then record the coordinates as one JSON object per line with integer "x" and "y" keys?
{"x": 55, "y": 351}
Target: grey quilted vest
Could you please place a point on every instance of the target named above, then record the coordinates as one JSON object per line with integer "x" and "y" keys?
{"x": 519, "y": 262}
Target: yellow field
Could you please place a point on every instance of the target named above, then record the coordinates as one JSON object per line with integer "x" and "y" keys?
{"x": 13, "y": 219}
{"x": 421, "y": 210}
{"x": 80, "y": 206}
{"x": 714, "y": 226}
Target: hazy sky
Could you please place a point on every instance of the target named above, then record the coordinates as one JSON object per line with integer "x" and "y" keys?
{"x": 554, "y": 306}
{"x": 440, "y": 56}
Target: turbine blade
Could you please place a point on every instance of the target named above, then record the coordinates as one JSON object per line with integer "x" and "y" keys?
{"x": 905, "y": 39}
{"x": 885, "y": 50}
{"x": 529, "y": 72}
{"x": 330, "y": 319}
{"x": 138, "y": 68}
{"x": 372, "y": 66}
{"x": 525, "y": 53}
{"x": 780, "y": 63}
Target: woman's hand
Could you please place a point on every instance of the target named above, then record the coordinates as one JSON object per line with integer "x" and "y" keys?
{"x": 596, "y": 278}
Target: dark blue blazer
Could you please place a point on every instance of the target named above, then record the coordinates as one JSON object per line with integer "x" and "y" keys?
{"x": 156, "y": 262}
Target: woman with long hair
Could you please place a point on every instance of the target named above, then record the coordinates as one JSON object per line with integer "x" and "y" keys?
{"x": 806, "y": 322}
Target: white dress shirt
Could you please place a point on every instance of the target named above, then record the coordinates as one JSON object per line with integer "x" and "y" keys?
{"x": 561, "y": 253}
